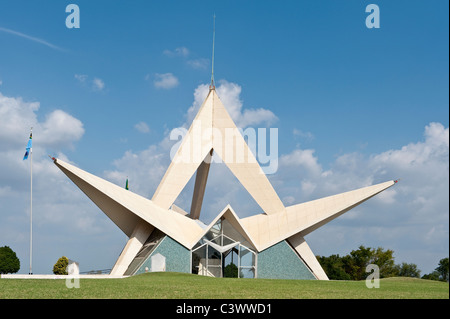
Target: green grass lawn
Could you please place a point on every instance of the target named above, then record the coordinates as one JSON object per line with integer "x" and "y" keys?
{"x": 182, "y": 286}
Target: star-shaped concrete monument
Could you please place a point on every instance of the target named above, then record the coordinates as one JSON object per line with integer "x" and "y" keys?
{"x": 267, "y": 245}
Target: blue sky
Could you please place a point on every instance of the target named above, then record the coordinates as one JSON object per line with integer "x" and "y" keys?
{"x": 353, "y": 106}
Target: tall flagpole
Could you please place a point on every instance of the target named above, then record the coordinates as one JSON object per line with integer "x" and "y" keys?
{"x": 212, "y": 62}
{"x": 31, "y": 208}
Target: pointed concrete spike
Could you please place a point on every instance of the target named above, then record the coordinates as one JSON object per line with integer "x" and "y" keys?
{"x": 127, "y": 209}
{"x": 214, "y": 129}
{"x": 306, "y": 217}
{"x": 193, "y": 149}
{"x": 302, "y": 248}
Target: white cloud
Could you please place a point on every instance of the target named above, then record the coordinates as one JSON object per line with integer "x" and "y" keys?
{"x": 98, "y": 84}
{"x": 144, "y": 169}
{"x": 304, "y": 135}
{"x": 200, "y": 63}
{"x": 303, "y": 159}
{"x": 81, "y": 77}
{"x": 181, "y": 51}
{"x": 58, "y": 131}
{"x": 165, "y": 81}
{"x": 421, "y": 166}
{"x": 411, "y": 217}
{"x": 142, "y": 127}
{"x": 34, "y": 39}
{"x": 56, "y": 206}
{"x": 16, "y": 118}
{"x": 434, "y": 148}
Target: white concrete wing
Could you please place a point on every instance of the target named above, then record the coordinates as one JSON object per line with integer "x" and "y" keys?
{"x": 191, "y": 153}
{"x": 128, "y": 210}
{"x": 267, "y": 230}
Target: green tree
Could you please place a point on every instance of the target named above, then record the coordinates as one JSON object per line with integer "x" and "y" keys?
{"x": 384, "y": 259}
{"x": 358, "y": 260}
{"x": 442, "y": 269}
{"x": 408, "y": 270}
{"x": 440, "y": 273}
{"x": 60, "y": 268}
{"x": 353, "y": 266}
{"x": 9, "y": 263}
{"x": 333, "y": 267}
{"x": 433, "y": 276}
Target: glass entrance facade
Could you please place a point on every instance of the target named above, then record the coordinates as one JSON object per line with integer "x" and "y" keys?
{"x": 224, "y": 252}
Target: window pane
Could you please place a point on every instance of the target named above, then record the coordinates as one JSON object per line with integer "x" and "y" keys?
{"x": 217, "y": 240}
{"x": 215, "y": 271}
{"x": 200, "y": 242}
{"x": 247, "y": 257}
{"x": 227, "y": 241}
{"x": 247, "y": 273}
{"x": 213, "y": 254}
{"x": 199, "y": 261}
{"x": 214, "y": 262}
{"x": 216, "y": 229}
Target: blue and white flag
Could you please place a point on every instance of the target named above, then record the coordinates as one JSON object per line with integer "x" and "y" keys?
{"x": 29, "y": 148}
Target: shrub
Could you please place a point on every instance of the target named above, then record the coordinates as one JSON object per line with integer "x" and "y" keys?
{"x": 231, "y": 271}
{"x": 60, "y": 268}
{"x": 9, "y": 263}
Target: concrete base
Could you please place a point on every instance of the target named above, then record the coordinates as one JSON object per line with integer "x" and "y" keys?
{"x": 102, "y": 276}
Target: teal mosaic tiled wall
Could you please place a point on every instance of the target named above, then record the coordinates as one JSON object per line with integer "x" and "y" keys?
{"x": 276, "y": 262}
{"x": 178, "y": 258}
{"x": 281, "y": 262}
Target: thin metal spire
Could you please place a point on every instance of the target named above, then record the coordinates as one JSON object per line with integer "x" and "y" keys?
{"x": 212, "y": 87}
